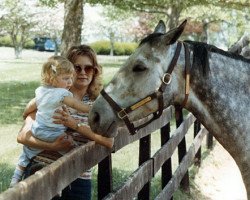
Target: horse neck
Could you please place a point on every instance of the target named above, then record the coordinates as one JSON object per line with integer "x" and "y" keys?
{"x": 220, "y": 100}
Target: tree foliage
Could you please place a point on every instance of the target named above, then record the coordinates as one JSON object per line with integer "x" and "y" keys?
{"x": 51, "y": 3}
{"x": 170, "y": 9}
{"x": 73, "y": 21}
{"x": 17, "y": 21}
{"x": 173, "y": 10}
{"x": 131, "y": 17}
{"x": 50, "y": 28}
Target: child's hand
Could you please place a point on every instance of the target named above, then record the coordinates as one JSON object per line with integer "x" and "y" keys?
{"x": 63, "y": 117}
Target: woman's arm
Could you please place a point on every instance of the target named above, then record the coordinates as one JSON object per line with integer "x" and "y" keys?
{"x": 25, "y": 137}
{"x": 67, "y": 120}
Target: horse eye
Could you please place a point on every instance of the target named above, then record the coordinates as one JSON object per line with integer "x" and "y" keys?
{"x": 139, "y": 68}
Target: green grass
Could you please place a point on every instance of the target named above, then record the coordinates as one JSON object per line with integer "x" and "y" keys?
{"x": 13, "y": 98}
{"x": 18, "y": 80}
{"x": 9, "y": 152}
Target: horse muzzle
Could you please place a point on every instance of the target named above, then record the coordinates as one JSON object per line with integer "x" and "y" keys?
{"x": 102, "y": 119}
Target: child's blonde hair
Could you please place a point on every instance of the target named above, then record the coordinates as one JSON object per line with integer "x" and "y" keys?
{"x": 55, "y": 65}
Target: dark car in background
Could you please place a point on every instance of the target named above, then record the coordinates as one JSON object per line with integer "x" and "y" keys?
{"x": 44, "y": 44}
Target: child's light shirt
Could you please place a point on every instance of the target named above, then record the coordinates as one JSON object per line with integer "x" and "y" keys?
{"x": 48, "y": 99}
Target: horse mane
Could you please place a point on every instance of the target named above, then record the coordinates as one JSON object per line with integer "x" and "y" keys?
{"x": 201, "y": 54}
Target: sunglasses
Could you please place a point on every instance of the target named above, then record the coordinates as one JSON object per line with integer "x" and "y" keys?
{"x": 88, "y": 69}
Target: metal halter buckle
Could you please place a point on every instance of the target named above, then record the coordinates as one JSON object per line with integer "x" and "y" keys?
{"x": 122, "y": 114}
{"x": 167, "y": 78}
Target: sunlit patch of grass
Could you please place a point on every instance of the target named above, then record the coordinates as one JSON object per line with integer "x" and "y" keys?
{"x": 9, "y": 152}
{"x": 20, "y": 71}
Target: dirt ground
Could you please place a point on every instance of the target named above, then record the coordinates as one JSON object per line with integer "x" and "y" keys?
{"x": 219, "y": 177}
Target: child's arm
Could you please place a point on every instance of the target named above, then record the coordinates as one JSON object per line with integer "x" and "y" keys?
{"x": 67, "y": 120}
{"x": 74, "y": 103}
{"x": 30, "y": 108}
{"x": 87, "y": 132}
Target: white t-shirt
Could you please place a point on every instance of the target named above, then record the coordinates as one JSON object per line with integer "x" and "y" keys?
{"x": 48, "y": 99}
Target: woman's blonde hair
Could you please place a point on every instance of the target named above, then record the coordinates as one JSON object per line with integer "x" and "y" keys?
{"x": 55, "y": 65}
{"x": 96, "y": 84}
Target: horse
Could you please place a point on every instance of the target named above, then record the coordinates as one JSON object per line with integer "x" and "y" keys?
{"x": 211, "y": 83}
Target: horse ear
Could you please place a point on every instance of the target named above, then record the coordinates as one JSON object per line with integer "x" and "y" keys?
{"x": 160, "y": 28}
{"x": 173, "y": 35}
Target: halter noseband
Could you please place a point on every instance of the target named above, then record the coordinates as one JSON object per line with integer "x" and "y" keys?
{"x": 166, "y": 80}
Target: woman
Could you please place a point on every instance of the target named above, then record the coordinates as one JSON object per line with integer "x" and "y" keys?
{"x": 87, "y": 84}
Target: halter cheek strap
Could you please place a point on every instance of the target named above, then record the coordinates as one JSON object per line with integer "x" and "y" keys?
{"x": 166, "y": 79}
{"x": 123, "y": 112}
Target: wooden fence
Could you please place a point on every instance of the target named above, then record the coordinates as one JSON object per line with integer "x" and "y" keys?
{"x": 50, "y": 180}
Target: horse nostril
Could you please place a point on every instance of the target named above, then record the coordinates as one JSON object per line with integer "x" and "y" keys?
{"x": 96, "y": 117}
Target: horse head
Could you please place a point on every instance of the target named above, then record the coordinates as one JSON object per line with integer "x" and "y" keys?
{"x": 131, "y": 94}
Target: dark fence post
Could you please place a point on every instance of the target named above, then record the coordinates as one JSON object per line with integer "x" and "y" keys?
{"x": 144, "y": 155}
{"x": 166, "y": 169}
{"x": 197, "y": 128}
{"x": 182, "y": 149}
{"x": 104, "y": 177}
{"x": 209, "y": 141}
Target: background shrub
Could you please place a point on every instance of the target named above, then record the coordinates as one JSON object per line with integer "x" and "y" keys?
{"x": 5, "y": 41}
{"x": 101, "y": 47}
{"x": 121, "y": 48}
{"x": 30, "y": 44}
{"x": 129, "y": 48}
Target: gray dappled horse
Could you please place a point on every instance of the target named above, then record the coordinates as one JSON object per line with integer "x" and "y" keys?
{"x": 212, "y": 84}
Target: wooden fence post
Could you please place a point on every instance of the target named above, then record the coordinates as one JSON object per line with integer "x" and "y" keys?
{"x": 182, "y": 149}
{"x": 144, "y": 155}
{"x": 104, "y": 177}
{"x": 197, "y": 128}
{"x": 166, "y": 169}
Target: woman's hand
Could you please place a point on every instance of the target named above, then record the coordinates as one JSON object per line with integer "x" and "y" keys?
{"x": 63, "y": 143}
{"x": 63, "y": 117}
{"x": 25, "y": 137}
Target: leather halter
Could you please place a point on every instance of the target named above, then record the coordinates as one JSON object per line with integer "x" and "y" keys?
{"x": 166, "y": 80}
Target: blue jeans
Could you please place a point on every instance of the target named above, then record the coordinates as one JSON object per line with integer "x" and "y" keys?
{"x": 80, "y": 189}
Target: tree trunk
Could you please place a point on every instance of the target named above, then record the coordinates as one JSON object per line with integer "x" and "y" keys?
{"x": 16, "y": 44}
{"x": 73, "y": 20}
{"x": 204, "y": 34}
{"x": 173, "y": 15}
{"x": 112, "y": 43}
{"x": 18, "y": 52}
